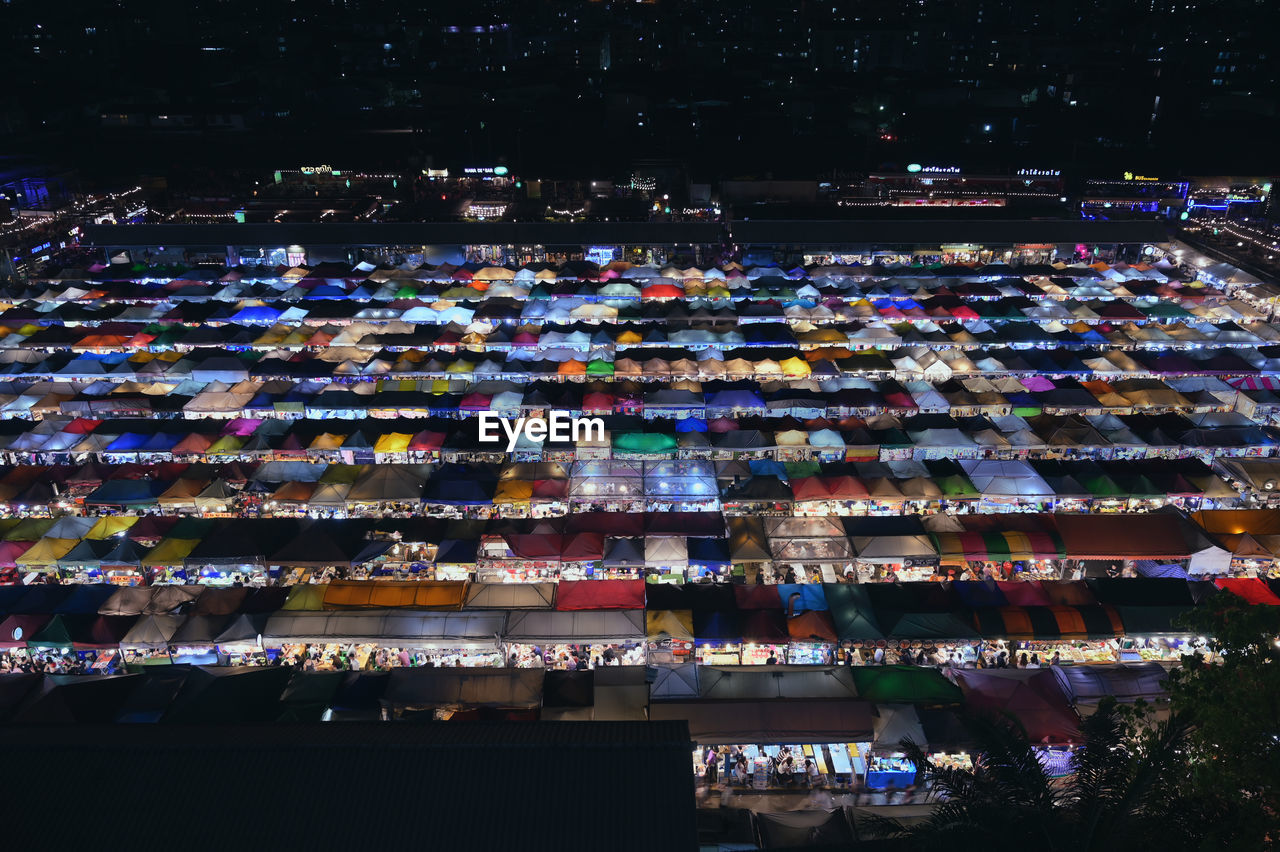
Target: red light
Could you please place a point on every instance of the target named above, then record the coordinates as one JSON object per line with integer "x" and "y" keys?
{"x": 442, "y": 196}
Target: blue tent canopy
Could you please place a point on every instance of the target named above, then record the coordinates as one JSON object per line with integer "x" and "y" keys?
{"x": 124, "y": 492}
{"x": 129, "y": 442}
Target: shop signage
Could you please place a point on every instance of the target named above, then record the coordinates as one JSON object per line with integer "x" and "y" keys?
{"x": 1132, "y": 176}
{"x": 1039, "y": 173}
{"x": 485, "y": 171}
{"x": 316, "y": 170}
{"x": 558, "y": 426}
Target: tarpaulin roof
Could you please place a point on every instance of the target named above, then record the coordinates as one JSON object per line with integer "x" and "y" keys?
{"x": 1126, "y": 682}
{"x": 1153, "y": 535}
{"x": 538, "y": 627}
{"x": 1035, "y": 697}
{"x": 741, "y": 683}
{"x": 466, "y": 687}
{"x": 412, "y": 629}
{"x": 508, "y": 596}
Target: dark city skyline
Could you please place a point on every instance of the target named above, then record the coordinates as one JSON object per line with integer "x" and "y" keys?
{"x": 658, "y": 425}
{"x": 772, "y": 87}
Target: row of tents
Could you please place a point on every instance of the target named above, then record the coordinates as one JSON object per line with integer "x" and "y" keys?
{"x": 1171, "y": 543}
{"x": 113, "y": 439}
{"x": 723, "y": 705}
{"x": 1226, "y": 326}
{"x": 1023, "y": 350}
{"x": 486, "y": 616}
{"x": 742, "y": 486}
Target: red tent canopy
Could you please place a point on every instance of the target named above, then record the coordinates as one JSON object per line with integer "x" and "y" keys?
{"x": 757, "y": 597}
{"x": 1024, "y": 592}
{"x": 600, "y": 594}
{"x": 764, "y": 625}
{"x": 426, "y": 441}
{"x": 1252, "y": 589}
{"x": 845, "y": 488}
{"x": 662, "y": 291}
{"x": 535, "y": 546}
{"x": 17, "y": 629}
{"x": 11, "y": 550}
{"x": 585, "y": 547}
{"x": 809, "y": 488}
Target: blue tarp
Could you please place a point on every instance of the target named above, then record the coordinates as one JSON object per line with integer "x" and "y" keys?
{"x": 121, "y": 492}
{"x": 811, "y": 596}
{"x": 1148, "y": 568}
{"x": 129, "y": 442}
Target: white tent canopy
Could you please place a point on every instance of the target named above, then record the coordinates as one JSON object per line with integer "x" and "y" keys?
{"x": 413, "y": 629}
{"x": 894, "y": 723}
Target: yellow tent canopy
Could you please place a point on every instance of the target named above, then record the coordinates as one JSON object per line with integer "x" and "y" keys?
{"x": 170, "y": 551}
{"x": 46, "y": 551}
{"x": 395, "y": 442}
{"x": 513, "y": 491}
{"x": 669, "y": 623}
{"x": 355, "y": 594}
{"x": 111, "y": 525}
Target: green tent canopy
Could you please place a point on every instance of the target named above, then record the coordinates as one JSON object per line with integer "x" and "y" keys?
{"x": 930, "y": 625}
{"x": 851, "y": 612}
{"x": 644, "y": 442}
{"x": 904, "y": 685}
